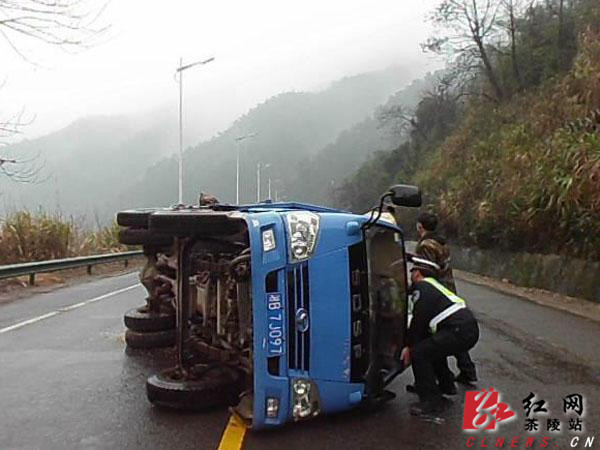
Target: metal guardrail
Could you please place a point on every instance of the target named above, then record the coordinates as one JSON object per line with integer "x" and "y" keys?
{"x": 18, "y": 270}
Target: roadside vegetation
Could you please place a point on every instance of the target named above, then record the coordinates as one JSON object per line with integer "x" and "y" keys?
{"x": 507, "y": 146}
{"x": 27, "y": 236}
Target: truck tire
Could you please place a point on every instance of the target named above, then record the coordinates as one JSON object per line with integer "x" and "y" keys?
{"x": 142, "y": 236}
{"x": 189, "y": 223}
{"x": 141, "y": 320}
{"x": 217, "y": 387}
{"x": 150, "y": 339}
{"x": 135, "y": 218}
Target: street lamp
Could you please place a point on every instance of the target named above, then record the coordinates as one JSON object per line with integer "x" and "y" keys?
{"x": 277, "y": 185}
{"x": 179, "y": 71}
{"x": 266, "y": 166}
{"x": 258, "y": 183}
{"x": 238, "y": 141}
{"x": 269, "y": 196}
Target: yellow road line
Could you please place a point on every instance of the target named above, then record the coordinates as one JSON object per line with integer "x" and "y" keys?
{"x": 233, "y": 437}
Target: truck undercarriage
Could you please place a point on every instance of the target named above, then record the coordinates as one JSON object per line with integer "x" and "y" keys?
{"x": 213, "y": 315}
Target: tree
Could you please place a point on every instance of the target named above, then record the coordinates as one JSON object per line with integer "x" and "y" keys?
{"x": 511, "y": 8}
{"x": 564, "y": 36}
{"x": 67, "y": 24}
{"x": 395, "y": 117}
{"x": 17, "y": 169}
{"x": 469, "y": 29}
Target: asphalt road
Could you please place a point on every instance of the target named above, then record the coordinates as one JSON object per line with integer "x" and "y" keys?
{"x": 67, "y": 381}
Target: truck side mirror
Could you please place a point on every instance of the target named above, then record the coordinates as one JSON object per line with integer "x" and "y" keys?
{"x": 406, "y": 195}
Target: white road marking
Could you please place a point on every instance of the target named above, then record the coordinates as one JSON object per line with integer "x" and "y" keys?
{"x": 65, "y": 309}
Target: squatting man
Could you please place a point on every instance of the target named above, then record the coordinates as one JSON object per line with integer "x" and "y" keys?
{"x": 442, "y": 325}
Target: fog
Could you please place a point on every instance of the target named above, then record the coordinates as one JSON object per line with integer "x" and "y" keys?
{"x": 261, "y": 48}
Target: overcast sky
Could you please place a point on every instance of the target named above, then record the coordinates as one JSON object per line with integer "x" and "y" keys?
{"x": 261, "y": 48}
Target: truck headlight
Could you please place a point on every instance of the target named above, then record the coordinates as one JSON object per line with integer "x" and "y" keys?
{"x": 305, "y": 399}
{"x": 303, "y": 229}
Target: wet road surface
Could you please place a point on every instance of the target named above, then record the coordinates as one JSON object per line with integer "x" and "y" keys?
{"x": 68, "y": 382}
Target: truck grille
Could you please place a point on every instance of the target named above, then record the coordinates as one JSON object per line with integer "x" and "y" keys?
{"x": 359, "y": 313}
{"x": 298, "y": 299}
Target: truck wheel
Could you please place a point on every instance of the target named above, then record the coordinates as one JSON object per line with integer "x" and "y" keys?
{"x": 140, "y": 319}
{"x": 186, "y": 223}
{"x": 142, "y": 236}
{"x": 135, "y": 218}
{"x": 217, "y": 387}
{"x": 150, "y": 339}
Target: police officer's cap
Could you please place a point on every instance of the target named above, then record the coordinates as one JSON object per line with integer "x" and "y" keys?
{"x": 424, "y": 264}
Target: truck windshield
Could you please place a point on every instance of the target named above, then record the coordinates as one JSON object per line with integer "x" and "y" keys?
{"x": 388, "y": 286}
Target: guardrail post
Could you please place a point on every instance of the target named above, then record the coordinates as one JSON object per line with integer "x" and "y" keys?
{"x": 31, "y": 279}
{"x": 126, "y": 263}
{"x": 89, "y": 269}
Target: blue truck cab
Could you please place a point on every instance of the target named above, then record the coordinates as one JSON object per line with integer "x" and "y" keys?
{"x": 285, "y": 311}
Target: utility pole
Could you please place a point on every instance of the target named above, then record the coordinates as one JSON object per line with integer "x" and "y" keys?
{"x": 238, "y": 141}
{"x": 258, "y": 183}
{"x": 269, "y": 187}
{"x": 179, "y": 71}
{"x": 180, "y": 162}
{"x": 265, "y": 166}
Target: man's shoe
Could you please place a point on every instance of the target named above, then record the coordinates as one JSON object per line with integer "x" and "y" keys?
{"x": 423, "y": 408}
{"x": 411, "y": 388}
{"x": 448, "y": 389}
{"x": 463, "y": 378}
{"x": 430, "y": 408}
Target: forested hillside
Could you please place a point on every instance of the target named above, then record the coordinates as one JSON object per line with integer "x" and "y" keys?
{"x": 291, "y": 130}
{"x": 84, "y": 167}
{"x": 97, "y": 165}
{"x": 507, "y": 146}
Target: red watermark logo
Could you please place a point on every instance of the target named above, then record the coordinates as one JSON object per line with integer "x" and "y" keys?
{"x": 483, "y": 410}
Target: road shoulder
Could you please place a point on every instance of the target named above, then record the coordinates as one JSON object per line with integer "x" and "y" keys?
{"x": 14, "y": 289}
{"x": 576, "y": 306}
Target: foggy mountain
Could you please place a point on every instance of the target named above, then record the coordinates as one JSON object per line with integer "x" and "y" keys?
{"x": 325, "y": 171}
{"x": 296, "y": 132}
{"x": 98, "y": 165}
{"x": 87, "y": 164}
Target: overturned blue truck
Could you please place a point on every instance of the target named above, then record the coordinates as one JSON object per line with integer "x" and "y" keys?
{"x": 283, "y": 311}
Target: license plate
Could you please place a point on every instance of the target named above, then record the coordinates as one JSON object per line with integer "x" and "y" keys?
{"x": 275, "y": 324}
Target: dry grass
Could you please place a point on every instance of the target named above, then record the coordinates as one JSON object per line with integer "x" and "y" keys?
{"x": 527, "y": 174}
{"x": 26, "y": 236}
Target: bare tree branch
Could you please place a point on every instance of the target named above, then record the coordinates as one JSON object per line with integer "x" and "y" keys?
{"x": 27, "y": 170}
{"x": 469, "y": 30}
{"x": 67, "y": 24}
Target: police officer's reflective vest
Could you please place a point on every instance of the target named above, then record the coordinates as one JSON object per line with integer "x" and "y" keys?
{"x": 457, "y": 304}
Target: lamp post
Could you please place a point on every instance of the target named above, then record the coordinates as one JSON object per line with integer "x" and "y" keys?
{"x": 258, "y": 183}
{"x": 269, "y": 187}
{"x": 179, "y": 71}
{"x": 266, "y": 166}
{"x": 238, "y": 141}
{"x": 269, "y": 181}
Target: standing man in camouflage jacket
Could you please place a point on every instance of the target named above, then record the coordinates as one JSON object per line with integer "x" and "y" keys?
{"x": 433, "y": 247}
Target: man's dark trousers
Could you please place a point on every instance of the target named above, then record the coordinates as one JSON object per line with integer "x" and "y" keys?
{"x": 429, "y": 356}
{"x": 466, "y": 365}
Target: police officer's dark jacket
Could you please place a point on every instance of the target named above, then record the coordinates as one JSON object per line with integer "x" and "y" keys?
{"x": 435, "y": 308}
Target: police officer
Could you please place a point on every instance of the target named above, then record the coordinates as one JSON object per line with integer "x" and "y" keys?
{"x": 442, "y": 325}
{"x": 432, "y": 246}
